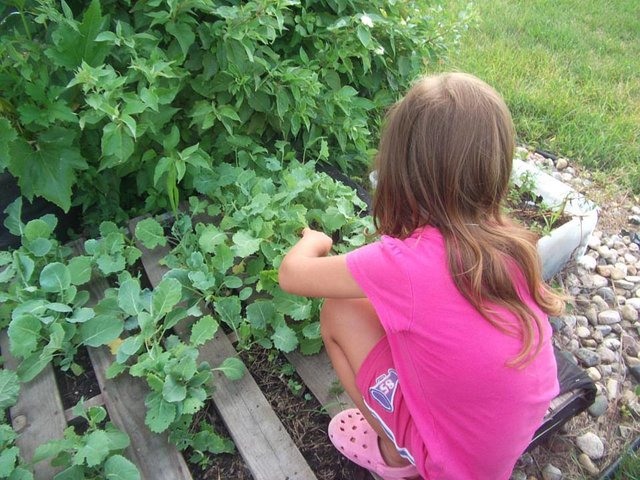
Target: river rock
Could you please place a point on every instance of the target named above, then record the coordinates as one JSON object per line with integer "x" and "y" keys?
{"x": 634, "y": 302}
{"x": 606, "y": 355}
{"x": 629, "y": 345}
{"x": 589, "y": 263}
{"x": 594, "y": 374}
{"x": 583, "y": 332}
{"x": 629, "y": 313}
{"x": 607, "y": 295}
{"x": 587, "y": 357}
{"x": 599, "y": 281}
{"x": 592, "y": 315}
{"x": 603, "y": 329}
{"x": 599, "y": 406}
{"x": 635, "y": 371}
{"x": 612, "y": 389}
{"x": 587, "y": 464}
{"x": 624, "y": 284}
{"x": 609, "y": 317}
{"x": 591, "y": 445}
{"x": 604, "y": 270}
{"x": 551, "y": 472}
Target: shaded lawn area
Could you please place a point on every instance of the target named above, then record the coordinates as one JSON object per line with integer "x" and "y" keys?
{"x": 570, "y": 73}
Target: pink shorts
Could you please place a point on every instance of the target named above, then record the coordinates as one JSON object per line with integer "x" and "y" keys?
{"x": 378, "y": 382}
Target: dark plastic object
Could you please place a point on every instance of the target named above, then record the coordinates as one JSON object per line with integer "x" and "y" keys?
{"x": 577, "y": 392}
{"x": 612, "y": 469}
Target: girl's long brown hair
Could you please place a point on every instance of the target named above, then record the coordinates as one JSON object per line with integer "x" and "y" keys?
{"x": 444, "y": 160}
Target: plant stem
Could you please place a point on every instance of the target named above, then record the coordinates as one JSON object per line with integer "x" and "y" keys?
{"x": 26, "y": 26}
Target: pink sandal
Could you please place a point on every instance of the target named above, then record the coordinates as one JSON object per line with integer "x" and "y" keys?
{"x": 354, "y": 438}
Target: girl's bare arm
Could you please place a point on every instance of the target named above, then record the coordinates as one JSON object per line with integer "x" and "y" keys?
{"x": 307, "y": 270}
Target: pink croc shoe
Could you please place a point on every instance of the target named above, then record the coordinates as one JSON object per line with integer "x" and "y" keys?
{"x": 354, "y": 438}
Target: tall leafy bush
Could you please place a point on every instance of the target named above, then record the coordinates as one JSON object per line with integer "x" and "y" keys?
{"x": 114, "y": 105}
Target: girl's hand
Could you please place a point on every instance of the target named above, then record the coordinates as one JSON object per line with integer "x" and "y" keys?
{"x": 319, "y": 242}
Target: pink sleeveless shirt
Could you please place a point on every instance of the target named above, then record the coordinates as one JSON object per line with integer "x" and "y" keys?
{"x": 475, "y": 416}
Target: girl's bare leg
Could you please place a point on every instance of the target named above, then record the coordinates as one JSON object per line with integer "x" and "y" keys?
{"x": 350, "y": 329}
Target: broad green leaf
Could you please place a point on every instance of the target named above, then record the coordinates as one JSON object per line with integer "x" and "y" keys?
{"x": 48, "y": 167}
{"x": 59, "y": 307}
{"x": 39, "y": 247}
{"x": 75, "y": 45}
{"x": 9, "y": 388}
{"x": 210, "y": 238}
{"x": 244, "y": 244}
{"x": 55, "y": 277}
{"x": 100, "y": 330}
{"x": 160, "y": 413}
{"x": 117, "y": 440}
{"x": 7, "y": 135}
{"x": 165, "y": 296}
{"x": 260, "y": 314}
{"x": 284, "y": 339}
{"x": 119, "y": 468}
{"x": 26, "y": 265}
{"x": 31, "y": 366}
{"x": 80, "y": 270}
{"x": 24, "y": 333}
{"x": 81, "y": 315}
{"x": 8, "y": 459}
{"x": 229, "y": 310}
{"x": 75, "y": 472}
{"x": 117, "y": 145}
{"x": 183, "y": 33}
{"x": 37, "y": 229}
{"x": 150, "y": 233}
{"x": 233, "y": 282}
{"x": 233, "y": 368}
{"x": 298, "y": 308}
{"x": 203, "y": 330}
{"x": 129, "y": 297}
{"x": 13, "y": 222}
{"x": 5, "y": 258}
{"x": 94, "y": 450}
{"x": 223, "y": 258}
{"x": 7, "y": 274}
{"x": 173, "y": 391}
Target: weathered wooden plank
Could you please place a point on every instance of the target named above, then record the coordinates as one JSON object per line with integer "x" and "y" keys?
{"x": 317, "y": 373}
{"x": 124, "y": 398}
{"x": 38, "y": 416}
{"x": 260, "y": 437}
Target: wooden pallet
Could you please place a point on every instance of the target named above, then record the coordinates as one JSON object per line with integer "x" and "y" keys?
{"x": 261, "y": 439}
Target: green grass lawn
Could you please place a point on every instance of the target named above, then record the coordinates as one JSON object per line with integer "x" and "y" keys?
{"x": 570, "y": 73}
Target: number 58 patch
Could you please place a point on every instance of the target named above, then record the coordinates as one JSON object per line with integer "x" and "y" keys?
{"x": 385, "y": 389}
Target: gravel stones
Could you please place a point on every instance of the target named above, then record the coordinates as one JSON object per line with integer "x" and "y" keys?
{"x": 591, "y": 445}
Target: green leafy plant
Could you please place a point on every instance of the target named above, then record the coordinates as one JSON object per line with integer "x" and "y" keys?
{"x": 11, "y": 465}
{"x": 96, "y": 454}
{"x": 121, "y": 107}
{"x": 43, "y": 307}
{"x": 201, "y": 439}
{"x": 169, "y": 365}
{"x": 230, "y": 262}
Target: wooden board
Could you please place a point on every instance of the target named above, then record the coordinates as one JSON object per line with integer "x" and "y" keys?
{"x": 38, "y": 416}
{"x": 123, "y": 398}
{"x": 260, "y": 437}
{"x": 317, "y": 373}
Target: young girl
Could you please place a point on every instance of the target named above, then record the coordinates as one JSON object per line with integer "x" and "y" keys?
{"x": 439, "y": 330}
